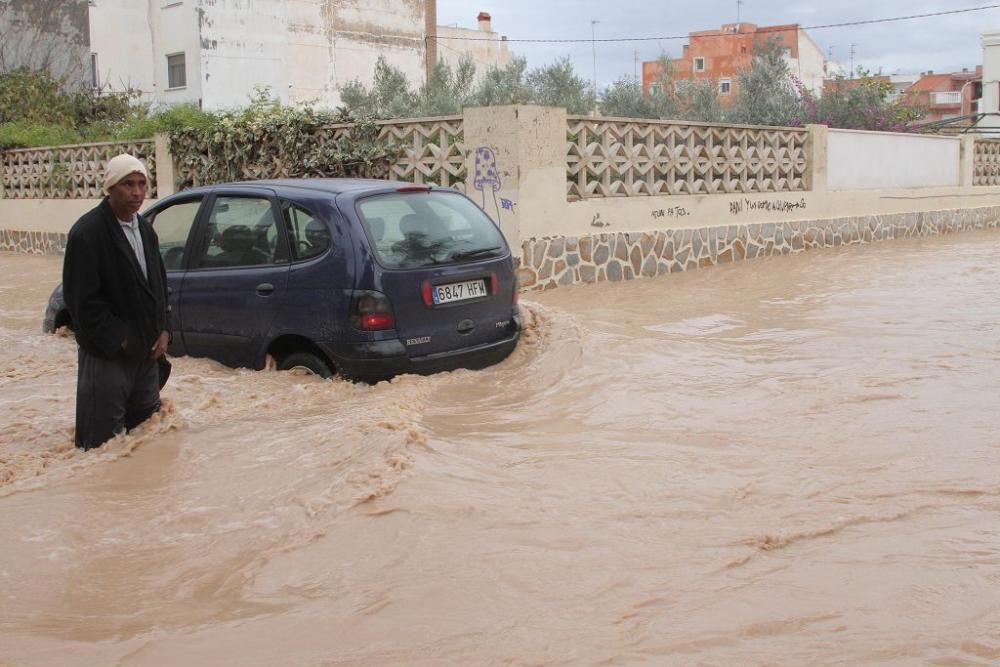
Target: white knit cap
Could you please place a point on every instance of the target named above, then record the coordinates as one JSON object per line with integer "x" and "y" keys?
{"x": 119, "y": 168}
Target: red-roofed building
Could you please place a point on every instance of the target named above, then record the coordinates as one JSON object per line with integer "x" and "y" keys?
{"x": 719, "y": 55}
{"x": 944, "y": 96}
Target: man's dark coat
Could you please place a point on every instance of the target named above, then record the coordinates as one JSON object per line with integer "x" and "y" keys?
{"x": 108, "y": 298}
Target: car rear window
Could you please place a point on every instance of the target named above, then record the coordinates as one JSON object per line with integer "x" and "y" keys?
{"x": 417, "y": 229}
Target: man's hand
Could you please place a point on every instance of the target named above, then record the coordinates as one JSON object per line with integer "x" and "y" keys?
{"x": 160, "y": 346}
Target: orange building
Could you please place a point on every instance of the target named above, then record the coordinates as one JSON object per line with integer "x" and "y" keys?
{"x": 720, "y": 55}
{"x": 944, "y": 96}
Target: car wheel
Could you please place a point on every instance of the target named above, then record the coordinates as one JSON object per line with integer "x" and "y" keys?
{"x": 306, "y": 361}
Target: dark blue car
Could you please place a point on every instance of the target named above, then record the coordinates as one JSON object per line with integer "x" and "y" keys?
{"x": 365, "y": 278}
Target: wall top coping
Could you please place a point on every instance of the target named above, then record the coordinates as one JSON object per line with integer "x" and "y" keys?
{"x": 894, "y": 134}
{"x": 95, "y": 144}
{"x": 658, "y": 121}
{"x": 398, "y": 121}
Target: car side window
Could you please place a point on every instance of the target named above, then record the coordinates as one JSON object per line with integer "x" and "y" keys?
{"x": 241, "y": 231}
{"x": 308, "y": 235}
{"x": 172, "y": 225}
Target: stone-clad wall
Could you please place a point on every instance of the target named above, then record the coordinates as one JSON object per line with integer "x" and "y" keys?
{"x": 553, "y": 261}
{"x": 33, "y": 243}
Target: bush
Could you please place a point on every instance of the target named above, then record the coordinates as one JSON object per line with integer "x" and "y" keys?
{"x": 34, "y": 97}
{"x": 27, "y": 134}
{"x": 165, "y": 121}
{"x": 266, "y": 140}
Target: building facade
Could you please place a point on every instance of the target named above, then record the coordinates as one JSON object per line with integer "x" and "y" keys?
{"x": 946, "y": 96}
{"x": 485, "y": 47}
{"x": 215, "y": 53}
{"x": 51, "y": 35}
{"x": 720, "y": 55}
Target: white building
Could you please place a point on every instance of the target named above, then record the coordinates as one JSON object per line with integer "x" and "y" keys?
{"x": 990, "y": 101}
{"x": 485, "y": 47}
{"x": 216, "y": 52}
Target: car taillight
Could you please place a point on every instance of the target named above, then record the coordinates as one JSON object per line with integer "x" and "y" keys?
{"x": 494, "y": 283}
{"x": 425, "y": 292}
{"x": 372, "y": 311}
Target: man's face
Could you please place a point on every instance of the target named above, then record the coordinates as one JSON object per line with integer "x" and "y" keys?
{"x": 127, "y": 195}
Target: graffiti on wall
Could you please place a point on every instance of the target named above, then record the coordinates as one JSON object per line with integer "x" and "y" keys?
{"x": 672, "y": 212}
{"x": 488, "y": 179}
{"x": 740, "y": 206}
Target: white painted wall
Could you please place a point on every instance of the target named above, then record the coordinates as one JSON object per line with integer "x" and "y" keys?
{"x": 990, "y": 102}
{"x": 808, "y": 67}
{"x": 243, "y": 46}
{"x": 121, "y": 36}
{"x": 174, "y": 27}
{"x": 363, "y": 31}
{"x": 303, "y": 50}
{"x": 858, "y": 160}
{"x": 484, "y": 54}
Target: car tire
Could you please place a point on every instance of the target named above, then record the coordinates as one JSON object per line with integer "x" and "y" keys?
{"x": 305, "y": 361}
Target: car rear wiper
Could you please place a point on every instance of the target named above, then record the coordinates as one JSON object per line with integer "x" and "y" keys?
{"x": 479, "y": 252}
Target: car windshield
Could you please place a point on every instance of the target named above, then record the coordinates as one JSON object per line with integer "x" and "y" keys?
{"x": 417, "y": 229}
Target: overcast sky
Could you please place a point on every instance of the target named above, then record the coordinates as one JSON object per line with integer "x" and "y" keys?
{"x": 941, "y": 43}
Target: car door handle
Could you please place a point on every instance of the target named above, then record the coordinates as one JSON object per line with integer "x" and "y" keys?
{"x": 265, "y": 288}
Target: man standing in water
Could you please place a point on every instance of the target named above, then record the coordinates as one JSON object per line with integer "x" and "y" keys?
{"x": 115, "y": 287}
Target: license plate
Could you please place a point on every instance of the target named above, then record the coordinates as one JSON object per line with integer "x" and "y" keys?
{"x": 470, "y": 289}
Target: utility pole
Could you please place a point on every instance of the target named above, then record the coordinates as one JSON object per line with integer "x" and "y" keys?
{"x": 635, "y": 65}
{"x": 852, "y": 59}
{"x": 593, "y": 45}
{"x": 739, "y": 4}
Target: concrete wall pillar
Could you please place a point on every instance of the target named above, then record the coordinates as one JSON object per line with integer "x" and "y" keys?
{"x": 165, "y": 181}
{"x": 516, "y": 166}
{"x": 816, "y": 154}
{"x": 967, "y": 166}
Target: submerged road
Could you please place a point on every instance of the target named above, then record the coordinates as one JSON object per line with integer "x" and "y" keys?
{"x": 793, "y": 460}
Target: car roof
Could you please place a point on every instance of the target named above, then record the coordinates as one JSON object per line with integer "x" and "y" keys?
{"x": 324, "y": 185}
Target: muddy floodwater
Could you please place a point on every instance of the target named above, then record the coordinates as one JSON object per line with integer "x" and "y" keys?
{"x": 789, "y": 461}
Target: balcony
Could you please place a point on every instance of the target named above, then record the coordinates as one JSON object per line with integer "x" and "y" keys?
{"x": 949, "y": 98}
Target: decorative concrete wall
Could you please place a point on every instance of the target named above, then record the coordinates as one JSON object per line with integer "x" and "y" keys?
{"x": 555, "y": 261}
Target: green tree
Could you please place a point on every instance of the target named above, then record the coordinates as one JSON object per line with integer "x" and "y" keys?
{"x": 447, "y": 92}
{"x": 765, "y": 95}
{"x": 557, "y": 85}
{"x": 625, "y": 97}
{"x": 503, "y": 85}
{"x": 390, "y": 95}
{"x": 703, "y": 102}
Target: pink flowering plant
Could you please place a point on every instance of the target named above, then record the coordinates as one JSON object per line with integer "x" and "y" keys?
{"x": 864, "y": 103}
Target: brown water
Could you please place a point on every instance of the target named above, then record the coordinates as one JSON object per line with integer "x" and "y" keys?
{"x": 788, "y": 461}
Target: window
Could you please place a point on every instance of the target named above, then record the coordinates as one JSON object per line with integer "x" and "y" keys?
{"x": 699, "y": 64}
{"x": 308, "y": 236}
{"x": 725, "y": 86}
{"x": 655, "y": 89}
{"x": 241, "y": 232}
{"x": 743, "y": 49}
{"x": 173, "y": 224}
{"x": 176, "y": 71}
{"x": 420, "y": 230}
{"x": 95, "y": 80}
